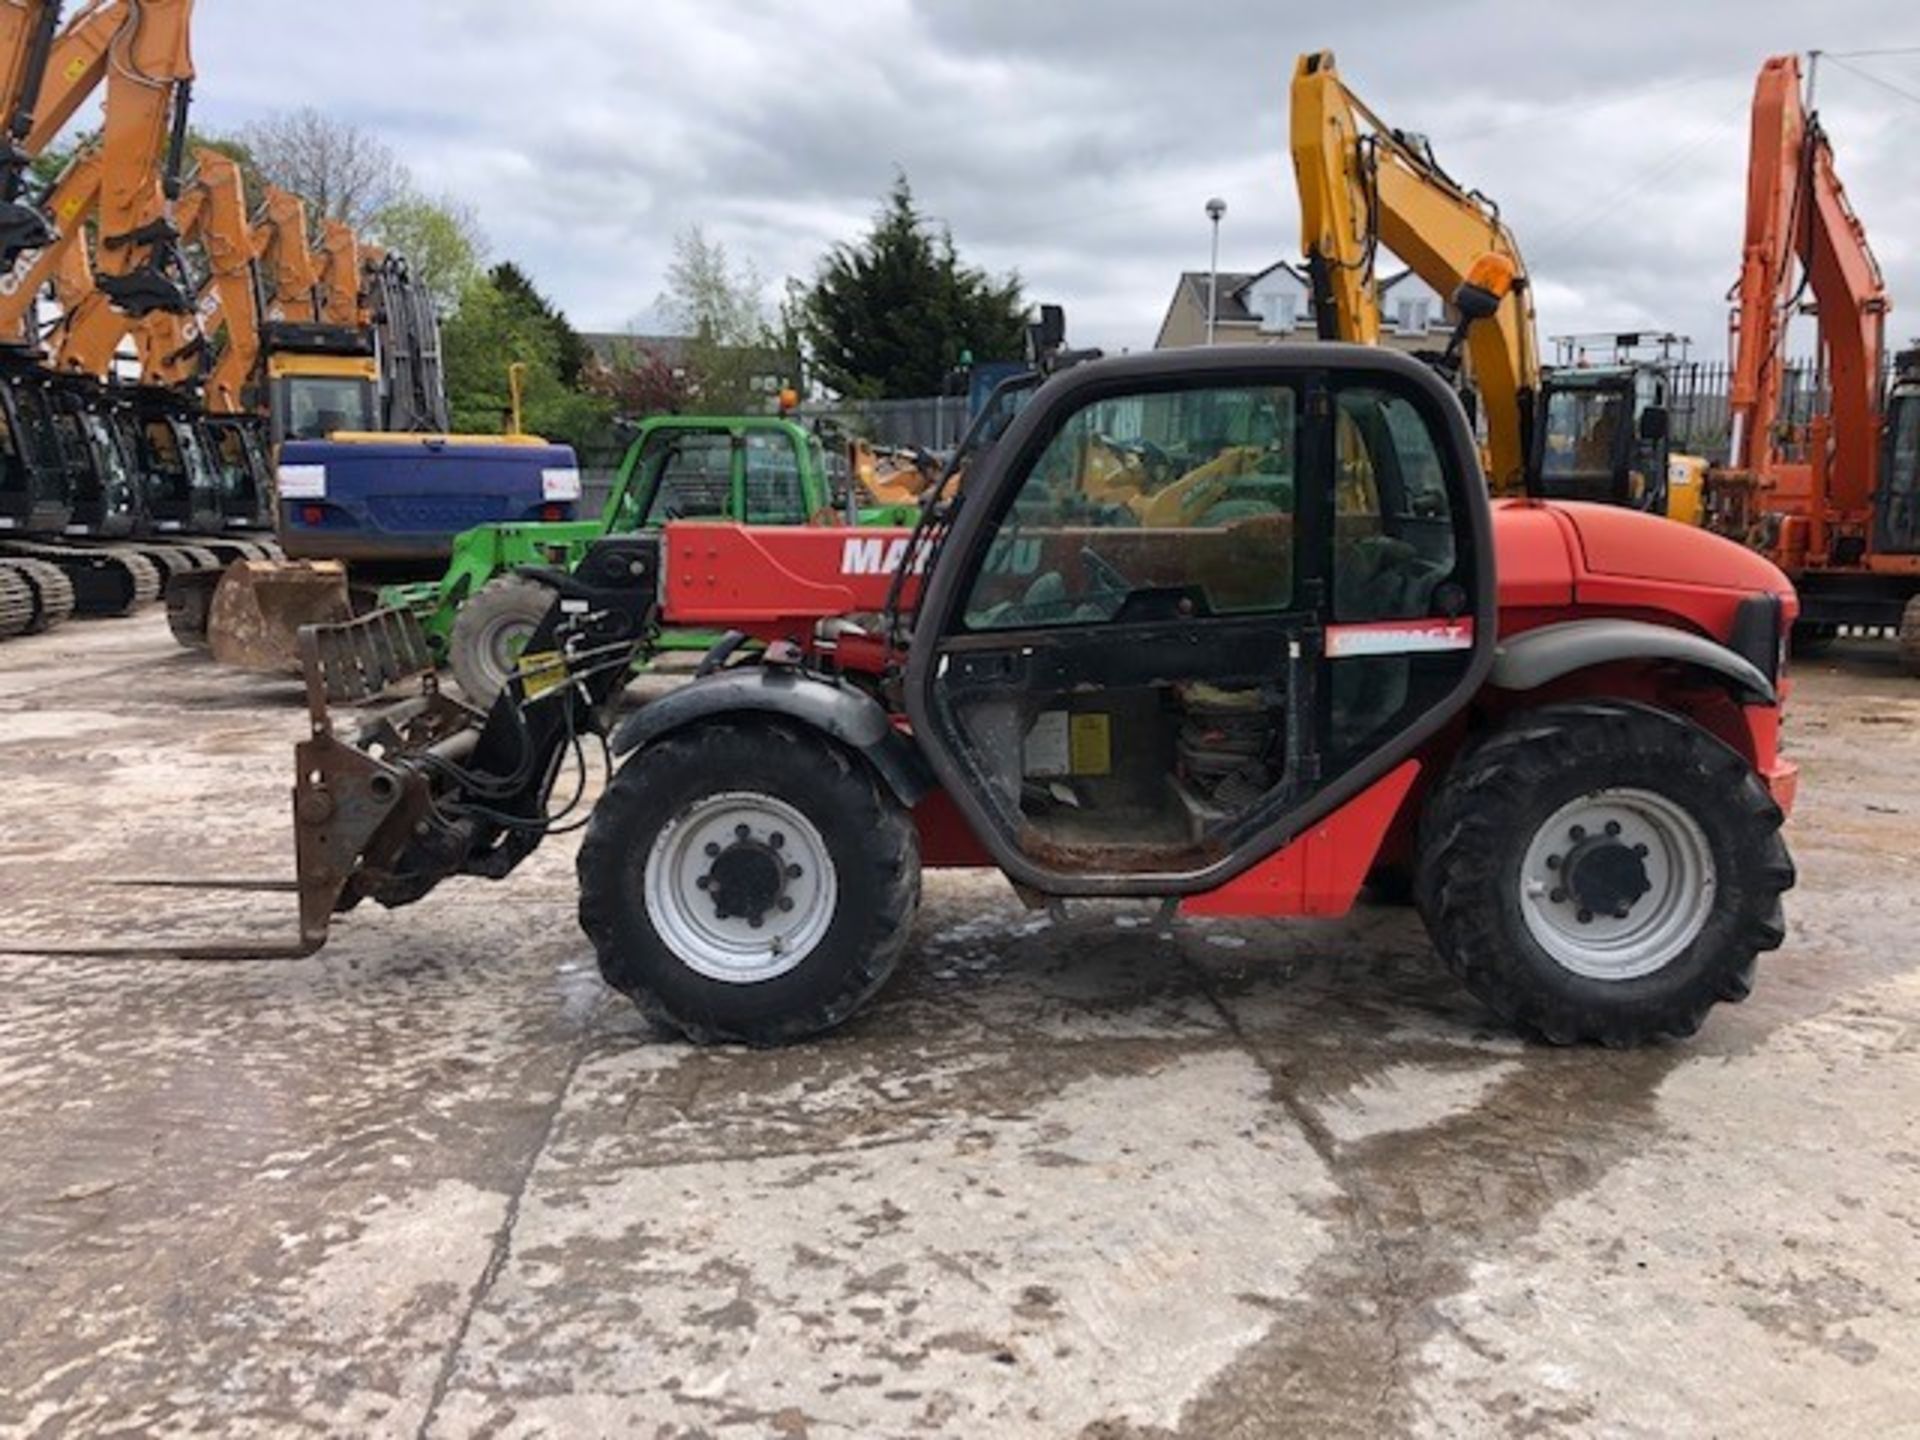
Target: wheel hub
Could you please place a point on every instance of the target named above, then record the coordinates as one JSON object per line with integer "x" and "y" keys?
{"x": 1617, "y": 883}
{"x": 749, "y": 876}
{"x": 1602, "y": 874}
{"x": 740, "y": 886}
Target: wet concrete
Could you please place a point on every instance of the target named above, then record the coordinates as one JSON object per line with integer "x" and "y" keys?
{"x": 1099, "y": 1179}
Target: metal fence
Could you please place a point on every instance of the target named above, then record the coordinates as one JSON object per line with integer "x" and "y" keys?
{"x": 1697, "y": 402}
{"x": 933, "y": 422}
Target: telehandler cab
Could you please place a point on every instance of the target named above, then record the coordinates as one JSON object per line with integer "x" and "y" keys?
{"x": 1561, "y": 721}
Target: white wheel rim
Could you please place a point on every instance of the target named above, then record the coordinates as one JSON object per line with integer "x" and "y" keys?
{"x": 1583, "y": 853}
{"x": 497, "y": 643}
{"x": 713, "y": 864}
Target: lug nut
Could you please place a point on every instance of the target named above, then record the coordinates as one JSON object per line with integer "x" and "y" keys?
{"x": 793, "y": 872}
{"x": 1621, "y": 913}
{"x": 1578, "y": 832}
{"x": 1613, "y": 827}
{"x": 712, "y": 849}
{"x": 786, "y": 902}
{"x": 1553, "y": 862}
{"x": 754, "y": 921}
{"x": 704, "y": 882}
{"x": 1584, "y": 917}
{"x": 1557, "y": 895}
{"x": 741, "y": 832}
{"x": 776, "y": 840}
{"x": 1641, "y": 851}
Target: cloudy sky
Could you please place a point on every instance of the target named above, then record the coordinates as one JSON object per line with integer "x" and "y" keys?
{"x": 1077, "y": 140}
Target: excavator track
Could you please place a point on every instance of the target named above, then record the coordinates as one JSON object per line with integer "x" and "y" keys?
{"x": 106, "y": 579}
{"x": 53, "y": 594}
{"x": 16, "y": 604}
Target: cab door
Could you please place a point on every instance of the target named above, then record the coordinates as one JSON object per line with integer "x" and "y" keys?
{"x": 1192, "y": 603}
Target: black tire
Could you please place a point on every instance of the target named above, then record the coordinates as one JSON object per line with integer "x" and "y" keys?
{"x": 1474, "y": 840}
{"x": 1910, "y": 636}
{"x": 488, "y": 631}
{"x": 867, "y": 833}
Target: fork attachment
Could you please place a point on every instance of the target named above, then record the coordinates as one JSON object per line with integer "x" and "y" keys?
{"x": 433, "y": 787}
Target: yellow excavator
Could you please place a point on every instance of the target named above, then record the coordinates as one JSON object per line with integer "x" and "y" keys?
{"x": 1582, "y": 431}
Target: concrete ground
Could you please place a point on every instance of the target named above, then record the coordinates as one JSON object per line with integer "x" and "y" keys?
{"x": 1242, "y": 1179}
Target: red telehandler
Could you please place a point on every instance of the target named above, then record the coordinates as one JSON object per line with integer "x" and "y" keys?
{"x": 1834, "y": 502}
{"x": 1335, "y": 657}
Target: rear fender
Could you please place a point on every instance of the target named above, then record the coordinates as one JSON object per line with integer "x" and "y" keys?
{"x": 839, "y": 711}
{"x": 1537, "y": 658}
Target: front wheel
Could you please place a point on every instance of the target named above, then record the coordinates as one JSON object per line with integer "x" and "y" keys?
{"x": 1603, "y": 872}
{"x": 490, "y": 630}
{"x": 747, "y": 880}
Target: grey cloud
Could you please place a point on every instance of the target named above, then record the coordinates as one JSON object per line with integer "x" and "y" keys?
{"x": 1075, "y": 142}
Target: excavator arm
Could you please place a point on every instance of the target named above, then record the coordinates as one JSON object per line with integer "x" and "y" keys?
{"x": 213, "y": 213}
{"x": 1364, "y": 184}
{"x": 341, "y": 293}
{"x": 149, "y": 74}
{"x": 1802, "y": 236}
{"x": 280, "y": 242}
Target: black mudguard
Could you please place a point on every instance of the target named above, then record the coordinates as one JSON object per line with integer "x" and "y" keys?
{"x": 833, "y": 708}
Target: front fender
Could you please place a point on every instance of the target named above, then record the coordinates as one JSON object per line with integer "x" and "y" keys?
{"x": 1536, "y": 657}
{"x": 850, "y": 716}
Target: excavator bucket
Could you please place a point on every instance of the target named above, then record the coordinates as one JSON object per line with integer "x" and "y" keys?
{"x": 254, "y": 619}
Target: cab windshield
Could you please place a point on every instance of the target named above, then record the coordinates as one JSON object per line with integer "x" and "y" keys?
{"x": 1583, "y": 429}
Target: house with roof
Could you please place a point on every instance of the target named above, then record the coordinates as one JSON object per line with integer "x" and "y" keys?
{"x": 1267, "y": 306}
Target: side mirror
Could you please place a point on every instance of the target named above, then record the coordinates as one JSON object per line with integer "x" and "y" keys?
{"x": 1653, "y": 423}
{"x": 1475, "y": 303}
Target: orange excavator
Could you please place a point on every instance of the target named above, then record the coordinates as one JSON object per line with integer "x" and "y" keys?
{"x": 1822, "y": 498}
{"x": 82, "y": 459}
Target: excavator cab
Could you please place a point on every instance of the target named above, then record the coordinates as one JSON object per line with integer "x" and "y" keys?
{"x": 175, "y": 479}
{"x": 321, "y": 379}
{"x": 1896, "y": 504}
{"x": 236, "y": 446}
{"x": 1602, "y": 428}
{"x": 36, "y": 491}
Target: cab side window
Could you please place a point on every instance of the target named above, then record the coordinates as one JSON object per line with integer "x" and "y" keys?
{"x": 695, "y": 476}
{"x": 1393, "y": 527}
{"x": 774, "y": 495}
{"x": 1181, "y": 498}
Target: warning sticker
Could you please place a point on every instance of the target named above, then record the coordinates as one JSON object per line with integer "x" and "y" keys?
{"x": 1090, "y": 744}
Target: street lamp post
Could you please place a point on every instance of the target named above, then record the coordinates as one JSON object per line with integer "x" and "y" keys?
{"x": 1216, "y": 207}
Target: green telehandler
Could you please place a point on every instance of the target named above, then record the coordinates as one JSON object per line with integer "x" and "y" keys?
{"x": 753, "y": 469}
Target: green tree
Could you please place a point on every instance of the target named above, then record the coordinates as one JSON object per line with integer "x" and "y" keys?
{"x": 494, "y": 327}
{"x": 441, "y": 240}
{"x": 890, "y": 316}
{"x": 570, "y": 353}
{"x": 731, "y": 349}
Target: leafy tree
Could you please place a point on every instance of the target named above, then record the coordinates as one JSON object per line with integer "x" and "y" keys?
{"x": 570, "y": 356}
{"x": 343, "y": 171}
{"x": 441, "y": 240}
{"x": 493, "y": 327}
{"x": 718, "y": 307}
{"x": 637, "y": 381}
{"x": 888, "y": 317}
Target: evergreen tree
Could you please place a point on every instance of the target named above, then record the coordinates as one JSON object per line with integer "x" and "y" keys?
{"x": 890, "y": 316}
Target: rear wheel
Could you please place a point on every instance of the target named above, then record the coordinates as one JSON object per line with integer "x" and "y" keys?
{"x": 490, "y": 631}
{"x": 748, "y": 881}
{"x": 1603, "y": 872}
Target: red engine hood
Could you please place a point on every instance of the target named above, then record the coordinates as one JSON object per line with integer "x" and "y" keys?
{"x": 1611, "y": 560}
